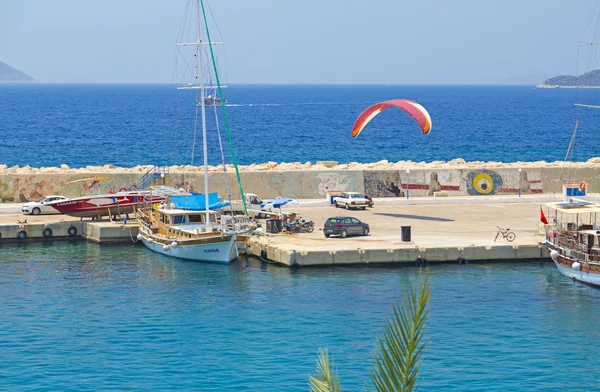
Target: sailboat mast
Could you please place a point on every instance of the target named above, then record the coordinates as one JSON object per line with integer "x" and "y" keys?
{"x": 200, "y": 68}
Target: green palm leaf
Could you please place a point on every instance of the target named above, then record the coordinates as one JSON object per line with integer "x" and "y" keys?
{"x": 327, "y": 379}
{"x": 397, "y": 365}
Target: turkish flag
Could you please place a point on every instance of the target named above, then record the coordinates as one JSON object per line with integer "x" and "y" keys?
{"x": 543, "y": 217}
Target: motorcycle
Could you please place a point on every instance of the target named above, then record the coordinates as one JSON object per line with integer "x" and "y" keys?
{"x": 303, "y": 226}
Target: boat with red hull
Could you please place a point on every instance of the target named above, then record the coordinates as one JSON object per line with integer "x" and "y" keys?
{"x": 107, "y": 204}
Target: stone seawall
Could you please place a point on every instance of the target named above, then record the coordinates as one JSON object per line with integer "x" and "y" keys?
{"x": 313, "y": 181}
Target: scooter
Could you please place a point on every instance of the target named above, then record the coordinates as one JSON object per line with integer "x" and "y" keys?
{"x": 303, "y": 227}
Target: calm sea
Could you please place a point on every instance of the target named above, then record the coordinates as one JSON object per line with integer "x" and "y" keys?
{"x": 79, "y": 317}
{"x": 128, "y": 125}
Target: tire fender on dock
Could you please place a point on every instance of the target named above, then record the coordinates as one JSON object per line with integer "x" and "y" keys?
{"x": 47, "y": 232}
{"x": 22, "y": 235}
{"x": 72, "y": 231}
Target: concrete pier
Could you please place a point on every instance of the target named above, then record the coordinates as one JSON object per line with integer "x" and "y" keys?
{"x": 451, "y": 230}
{"x": 440, "y": 233}
{"x": 61, "y": 228}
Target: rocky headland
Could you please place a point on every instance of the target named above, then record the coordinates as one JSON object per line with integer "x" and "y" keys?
{"x": 587, "y": 80}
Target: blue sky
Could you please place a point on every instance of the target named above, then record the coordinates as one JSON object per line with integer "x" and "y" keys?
{"x": 308, "y": 41}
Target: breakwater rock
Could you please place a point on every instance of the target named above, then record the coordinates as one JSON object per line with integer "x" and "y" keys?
{"x": 312, "y": 180}
{"x": 458, "y": 163}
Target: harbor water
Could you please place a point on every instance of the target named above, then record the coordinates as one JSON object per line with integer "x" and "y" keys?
{"x": 77, "y": 316}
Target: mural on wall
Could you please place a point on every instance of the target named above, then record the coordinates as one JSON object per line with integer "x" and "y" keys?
{"x": 392, "y": 183}
{"x": 6, "y": 192}
{"x": 503, "y": 181}
{"x": 300, "y": 185}
{"x": 383, "y": 183}
{"x": 30, "y": 189}
{"x": 25, "y": 188}
{"x": 483, "y": 182}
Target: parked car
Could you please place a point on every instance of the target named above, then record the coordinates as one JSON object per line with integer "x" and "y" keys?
{"x": 351, "y": 200}
{"x": 43, "y": 205}
{"x": 345, "y": 226}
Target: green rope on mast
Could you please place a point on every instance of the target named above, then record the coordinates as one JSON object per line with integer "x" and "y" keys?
{"x": 214, "y": 63}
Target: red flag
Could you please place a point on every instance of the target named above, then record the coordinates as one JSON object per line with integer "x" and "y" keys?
{"x": 543, "y": 217}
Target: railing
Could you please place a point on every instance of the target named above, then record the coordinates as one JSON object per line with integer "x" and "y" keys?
{"x": 152, "y": 174}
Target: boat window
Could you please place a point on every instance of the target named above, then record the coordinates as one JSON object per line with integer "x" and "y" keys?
{"x": 195, "y": 218}
{"x": 178, "y": 219}
{"x": 255, "y": 200}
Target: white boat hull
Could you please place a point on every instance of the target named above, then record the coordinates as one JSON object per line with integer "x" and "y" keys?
{"x": 222, "y": 252}
{"x": 591, "y": 278}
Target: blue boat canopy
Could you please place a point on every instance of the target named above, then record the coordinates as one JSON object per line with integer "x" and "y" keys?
{"x": 197, "y": 202}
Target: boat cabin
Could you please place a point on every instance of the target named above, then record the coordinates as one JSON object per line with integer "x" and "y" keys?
{"x": 572, "y": 226}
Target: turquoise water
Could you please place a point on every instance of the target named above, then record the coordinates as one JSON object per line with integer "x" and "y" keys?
{"x": 77, "y": 316}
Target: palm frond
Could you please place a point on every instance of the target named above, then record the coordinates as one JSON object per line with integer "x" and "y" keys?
{"x": 327, "y": 379}
{"x": 397, "y": 365}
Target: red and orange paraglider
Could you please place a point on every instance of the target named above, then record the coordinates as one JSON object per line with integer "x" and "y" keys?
{"x": 415, "y": 110}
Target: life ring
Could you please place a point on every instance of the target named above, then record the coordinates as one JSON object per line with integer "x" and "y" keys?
{"x": 582, "y": 186}
{"x": 47, "y": 232}
{"x": 22, "y": 235}
{"x": 72, "y": 231}
{"x": 123, "y": 189}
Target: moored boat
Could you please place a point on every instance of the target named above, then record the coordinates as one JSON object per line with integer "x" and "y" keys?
{"x": 119, "y": 203}
{"x": 573, "y": 239}
{"x": 183, "y": 227}
{"x": 189, "y": 225}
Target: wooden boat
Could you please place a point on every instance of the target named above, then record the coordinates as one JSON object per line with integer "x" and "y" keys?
{"x": 192, "y": 235}
{"x": 573, "y": 239}
{"x": 188, "y": 225}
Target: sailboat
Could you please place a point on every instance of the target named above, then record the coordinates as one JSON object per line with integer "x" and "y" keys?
{"x": 190, "y": 225}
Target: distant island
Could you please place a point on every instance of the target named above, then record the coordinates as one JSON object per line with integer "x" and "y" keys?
{"x": 587, "y": 80}
{"x": 9, "y": 74}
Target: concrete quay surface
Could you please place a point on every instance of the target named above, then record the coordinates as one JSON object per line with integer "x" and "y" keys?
{"x": 12, "y": 223}
{"x": 439, "y": 233}
{"x": 442, "y": 230}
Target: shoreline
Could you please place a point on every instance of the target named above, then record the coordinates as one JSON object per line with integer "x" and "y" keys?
{"x": 543, "y": 85}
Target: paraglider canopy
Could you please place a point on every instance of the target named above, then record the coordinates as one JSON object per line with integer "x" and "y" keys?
{"x": 415, "y": 110}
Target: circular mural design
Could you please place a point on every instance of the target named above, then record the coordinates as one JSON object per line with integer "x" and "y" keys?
{"x": 483, "y": 182}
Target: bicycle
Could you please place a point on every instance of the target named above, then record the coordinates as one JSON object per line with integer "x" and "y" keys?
{"x": 508, "y": 235}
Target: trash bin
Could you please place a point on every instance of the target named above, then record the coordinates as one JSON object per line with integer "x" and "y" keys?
{"x": 405, "y": 231}
{"x": 274, "y": 226}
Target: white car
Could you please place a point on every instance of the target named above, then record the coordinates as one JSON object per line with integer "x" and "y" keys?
{"x": 43, "y": 205}
{"x": 350, "y": 200}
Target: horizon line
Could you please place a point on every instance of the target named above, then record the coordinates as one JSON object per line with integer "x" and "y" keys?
{"x": 276, "y": 84}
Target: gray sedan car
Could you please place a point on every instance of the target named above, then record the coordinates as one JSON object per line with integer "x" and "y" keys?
{"x": 345, "y": 226}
